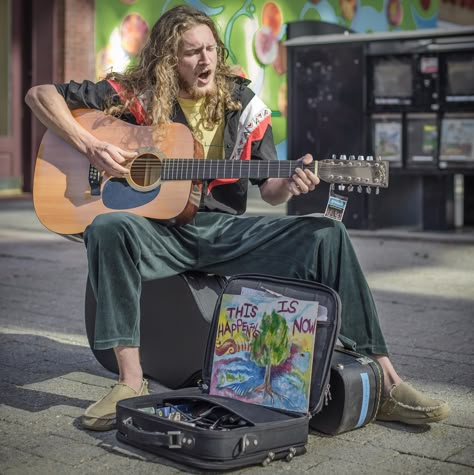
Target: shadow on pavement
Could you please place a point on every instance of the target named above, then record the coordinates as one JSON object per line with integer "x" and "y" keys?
{"x": 38, "y": 373}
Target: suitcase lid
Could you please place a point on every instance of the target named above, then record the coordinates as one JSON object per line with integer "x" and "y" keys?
{"x": 236, "y": 337}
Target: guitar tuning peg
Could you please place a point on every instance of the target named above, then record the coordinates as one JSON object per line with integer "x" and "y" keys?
{"x": 352, "y": 157}
{"x": 369, "y": 157}
{"x": 333, "y": 156}
{"x": 377, "y": 190}
{"x": 343, "y": 157}
{"x": 350, "y": 188}
{"x": 341, "y": 187}
{"x": 378, "y": 158}
{"x": 368, "y": 190}
{"x": 359, "y": 189}
{"x": 360, "y": 157}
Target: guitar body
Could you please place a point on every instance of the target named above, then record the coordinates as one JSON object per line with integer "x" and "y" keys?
{"x": 61, "y": 191}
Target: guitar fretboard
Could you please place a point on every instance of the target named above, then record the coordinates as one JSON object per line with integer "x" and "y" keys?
{"x": 193, "y": 169}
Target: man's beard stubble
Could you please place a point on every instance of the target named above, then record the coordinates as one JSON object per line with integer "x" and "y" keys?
{"x": 198, "y": 93}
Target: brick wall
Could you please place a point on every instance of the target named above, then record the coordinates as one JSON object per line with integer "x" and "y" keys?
{"x": 79, "y": 40}
{"x": 459, "y": 12}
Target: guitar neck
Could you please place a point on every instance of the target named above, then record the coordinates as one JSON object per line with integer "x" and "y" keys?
{"x": 358, "y": 172}
{"x": 194, "y": 169}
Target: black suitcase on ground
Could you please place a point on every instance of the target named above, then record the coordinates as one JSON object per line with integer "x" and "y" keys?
{"x": 355, "y": 391}
{"x": 236, "y": 433}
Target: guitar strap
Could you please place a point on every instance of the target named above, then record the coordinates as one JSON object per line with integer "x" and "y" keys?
{"x": 136, "y": 107}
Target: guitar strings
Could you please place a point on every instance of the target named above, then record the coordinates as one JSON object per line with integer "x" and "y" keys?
{"x": 178, "y": 169}
{"x": 201, "y": 163}
{"x": 216, "y": 169}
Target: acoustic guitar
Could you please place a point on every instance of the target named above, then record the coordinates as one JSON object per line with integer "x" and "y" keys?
{"x": 165, "y": 179}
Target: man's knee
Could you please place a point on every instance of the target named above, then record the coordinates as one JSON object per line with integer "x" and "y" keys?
{"x": 325, "y": 227}
{"x": 107, "y": 226}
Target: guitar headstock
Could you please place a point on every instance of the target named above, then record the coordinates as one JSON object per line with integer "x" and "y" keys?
{"x": 354, "y": 172}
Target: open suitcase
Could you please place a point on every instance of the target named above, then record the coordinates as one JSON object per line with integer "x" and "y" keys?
{"x": 218, "y": 432}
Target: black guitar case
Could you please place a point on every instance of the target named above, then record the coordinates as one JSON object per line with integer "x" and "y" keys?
{"x": 186, "y": 303}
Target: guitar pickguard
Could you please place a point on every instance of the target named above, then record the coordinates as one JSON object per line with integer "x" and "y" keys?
{"x": 117, "y": 194}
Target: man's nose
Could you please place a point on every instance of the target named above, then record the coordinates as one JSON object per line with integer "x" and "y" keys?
{"x": 205, "y": 56}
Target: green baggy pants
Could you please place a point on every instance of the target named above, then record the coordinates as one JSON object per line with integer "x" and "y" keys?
{"x": 124, "y": 249}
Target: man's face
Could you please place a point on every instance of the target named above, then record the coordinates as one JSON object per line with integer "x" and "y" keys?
{"x": 197, "y": 61}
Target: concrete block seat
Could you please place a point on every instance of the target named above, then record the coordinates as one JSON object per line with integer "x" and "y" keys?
{"x": 175, "y": 319}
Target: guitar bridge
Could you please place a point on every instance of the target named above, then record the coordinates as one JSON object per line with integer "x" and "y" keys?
{"x": 95, "y": 180}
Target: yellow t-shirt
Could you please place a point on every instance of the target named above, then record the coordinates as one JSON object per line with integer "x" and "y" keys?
{"x": 212, "y": 140}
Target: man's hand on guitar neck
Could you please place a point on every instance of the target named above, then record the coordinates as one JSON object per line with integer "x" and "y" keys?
{"x": 303, "y": 181}
{"x": 276, "y": 191}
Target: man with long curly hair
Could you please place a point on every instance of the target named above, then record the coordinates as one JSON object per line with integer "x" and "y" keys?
{"x": 182, "y": 77}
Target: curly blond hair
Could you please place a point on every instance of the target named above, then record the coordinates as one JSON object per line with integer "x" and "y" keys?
{"x": 156, "y": 79}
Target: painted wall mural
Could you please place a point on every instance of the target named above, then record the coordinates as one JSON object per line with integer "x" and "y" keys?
{"x": 253, "y": 32}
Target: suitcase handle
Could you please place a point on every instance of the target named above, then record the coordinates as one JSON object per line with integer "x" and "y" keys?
{"x": 172, "y": 439}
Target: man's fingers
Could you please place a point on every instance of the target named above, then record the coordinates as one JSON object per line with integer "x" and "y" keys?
{"x": 111, "y": 167}
{"x": 309, "y": 178}
{"x": 301, "y": 184}
{"x": 116, "y": 155}
{"x": 305, "y": 176}
{"x": 115, "y": 160}
{"x": 298, "y": 186}
{"x": 303, "y": 180}
{"x": 129, "y": 154}
{"x": 117, "y": 168}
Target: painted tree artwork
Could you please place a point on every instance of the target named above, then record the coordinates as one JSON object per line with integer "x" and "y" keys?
{"x": 264, "y": 350}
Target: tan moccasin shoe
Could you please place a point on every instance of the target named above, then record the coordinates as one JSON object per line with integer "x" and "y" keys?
{"x": 406, "y": 404}
{"x": 101, "y": 415}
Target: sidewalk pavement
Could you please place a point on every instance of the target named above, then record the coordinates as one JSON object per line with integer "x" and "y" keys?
{"x": 424, "y": 289}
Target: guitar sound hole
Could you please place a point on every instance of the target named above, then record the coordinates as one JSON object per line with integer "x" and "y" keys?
{"x": 146, "y": 170}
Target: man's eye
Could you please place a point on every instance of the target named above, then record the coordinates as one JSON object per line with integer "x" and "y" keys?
{"x": 196, "y": 52}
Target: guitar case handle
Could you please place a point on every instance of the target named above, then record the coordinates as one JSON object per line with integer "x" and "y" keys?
{"x": 172, "y": 439}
